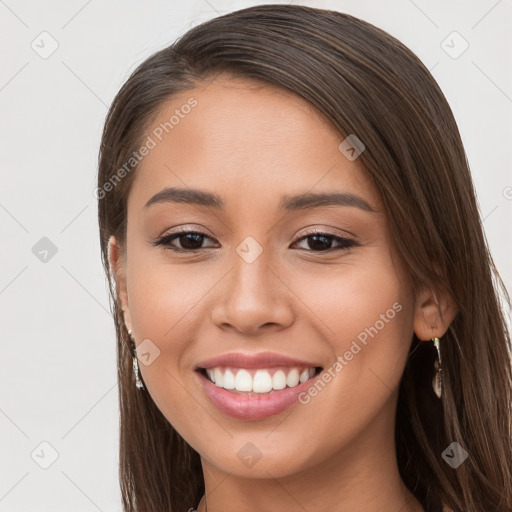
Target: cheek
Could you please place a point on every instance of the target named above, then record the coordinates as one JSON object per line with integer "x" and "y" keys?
{"x": 369, "y": 312}
{"x": 359, "y": 296}
{"x": 161, "y": 294}
{"x": 162, "y": 304}
{"x": 162, "y": 298}
{"x": 365, "y": 315}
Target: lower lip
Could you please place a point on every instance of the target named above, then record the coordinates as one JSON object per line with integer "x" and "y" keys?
{"x": 253, "y": 407}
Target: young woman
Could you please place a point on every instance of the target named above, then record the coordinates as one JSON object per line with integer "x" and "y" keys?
{"x": 293, "y": 245}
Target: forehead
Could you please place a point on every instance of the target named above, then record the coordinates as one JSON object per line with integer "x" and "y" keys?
{"x": 244, "y": 138}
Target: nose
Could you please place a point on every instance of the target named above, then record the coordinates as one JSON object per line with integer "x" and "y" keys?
{"x": 253, "y": 298}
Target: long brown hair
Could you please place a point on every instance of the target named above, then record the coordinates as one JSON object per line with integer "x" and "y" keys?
{"x": 366, "y": 83}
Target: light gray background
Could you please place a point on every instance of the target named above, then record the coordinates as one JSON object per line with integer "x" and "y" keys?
{"x": 58, "y": 368}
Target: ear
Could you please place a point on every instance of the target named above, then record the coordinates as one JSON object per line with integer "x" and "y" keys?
{"x": 434, "y": 312}
{"x": 117, "y": 264}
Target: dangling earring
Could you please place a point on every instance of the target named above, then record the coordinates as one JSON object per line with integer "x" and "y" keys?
{"x": 436, "y": 380}
{"x": 138, "y": 381}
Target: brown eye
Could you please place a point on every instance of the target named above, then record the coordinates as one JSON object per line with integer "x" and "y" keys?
{"x": 189, "y": 241}
{"x": 322, "y": 242}
{"x": 192, "y": 241}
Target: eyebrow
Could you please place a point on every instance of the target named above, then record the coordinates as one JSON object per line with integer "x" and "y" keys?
{"x": 288, "y": 203}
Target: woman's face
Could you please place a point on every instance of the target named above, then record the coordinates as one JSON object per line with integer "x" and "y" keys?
{"x": 257, "y": 279}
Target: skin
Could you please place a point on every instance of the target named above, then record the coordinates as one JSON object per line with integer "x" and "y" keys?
{"x": 252, "y": 144}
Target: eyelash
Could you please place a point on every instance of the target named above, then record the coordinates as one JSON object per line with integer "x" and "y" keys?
{"x": 165, "y": 241}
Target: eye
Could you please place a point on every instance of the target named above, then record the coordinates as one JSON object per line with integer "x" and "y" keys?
{"x": 190, "y": 241}
{"x": 321, "y": 242}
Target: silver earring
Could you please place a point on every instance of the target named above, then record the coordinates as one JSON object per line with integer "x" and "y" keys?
{"x": 437, "y": 380}
{"x": 138, "y": 381}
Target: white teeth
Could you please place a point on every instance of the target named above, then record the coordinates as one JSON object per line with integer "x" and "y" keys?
{"x": 229, "y": 380}
{"x": 293, "y": 378}
{"x": 279, "y": 380}
{"x": 243, "y": 381}
{"x": 219, "y": 377}
{"x": 261, "y": 382}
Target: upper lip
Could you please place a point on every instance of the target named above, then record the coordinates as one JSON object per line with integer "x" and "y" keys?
{"x": 257, "y": 360}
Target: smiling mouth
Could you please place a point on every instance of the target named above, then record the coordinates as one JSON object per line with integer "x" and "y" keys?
{"x": 253, "y": 381}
